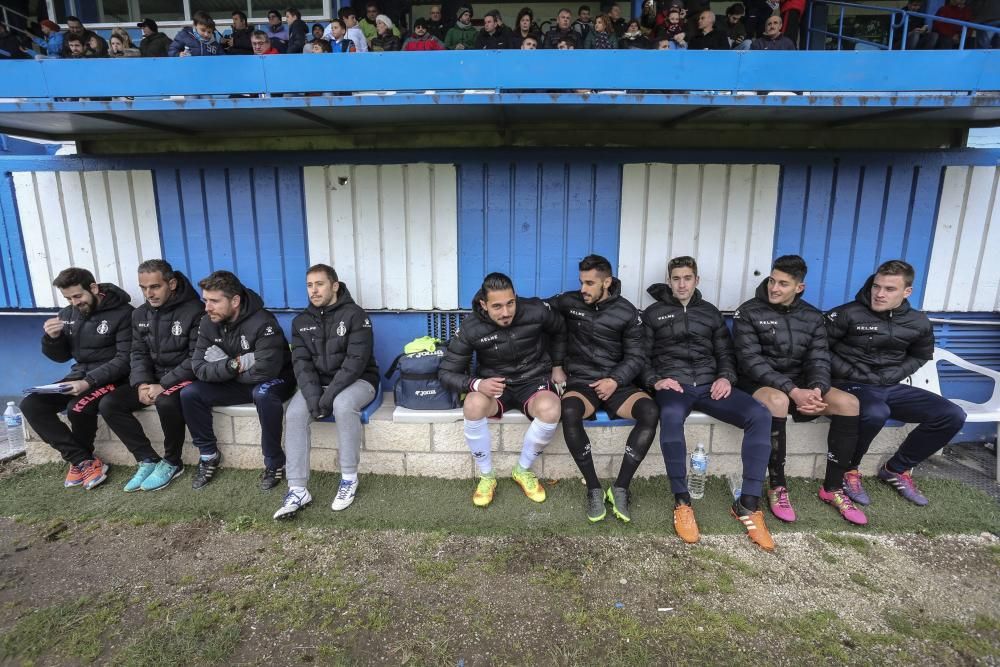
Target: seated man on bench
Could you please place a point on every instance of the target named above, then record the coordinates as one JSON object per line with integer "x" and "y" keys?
{"x": 517, "y": 342}
{"x": 336, "y": 373}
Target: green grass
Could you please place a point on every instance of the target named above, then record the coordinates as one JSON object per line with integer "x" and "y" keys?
{"x": 444, "y": 506}
{"x": 69, "y": 630}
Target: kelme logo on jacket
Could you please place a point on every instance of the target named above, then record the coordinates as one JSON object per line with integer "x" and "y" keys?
{"x": 103, "y": 327}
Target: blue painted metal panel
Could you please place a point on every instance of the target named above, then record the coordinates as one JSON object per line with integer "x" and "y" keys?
{"x": 15, "y": 283}
{"x": 535, "y": 221}
{"x": 846, "y": 216}
{"x": 249, "y": 221}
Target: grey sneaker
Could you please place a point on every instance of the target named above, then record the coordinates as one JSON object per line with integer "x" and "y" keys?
{"x": 619, "y": 497}
{"x": 595, "y": 505}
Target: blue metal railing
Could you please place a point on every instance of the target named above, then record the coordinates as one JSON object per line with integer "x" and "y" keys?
{"x": 899, "y": 22}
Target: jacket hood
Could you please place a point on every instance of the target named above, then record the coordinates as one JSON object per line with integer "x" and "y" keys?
{"x": 114, "y": 297}
{"x": 185, "y": 292}
{"x": 250, "y": 303}
{"x": 343, "y": 298}
{"x": 662, "y": 292}
{"x": 761, "y": 295}
{"x": 864, "y": 297}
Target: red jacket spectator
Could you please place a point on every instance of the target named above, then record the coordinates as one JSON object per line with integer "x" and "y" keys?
{"x": 789, "y": 5}
{"x": 957, "y": 9}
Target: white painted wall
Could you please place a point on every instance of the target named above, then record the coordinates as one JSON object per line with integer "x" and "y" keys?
{"x": 104, "y": 221}
{"x": 964, "y": 271}
{"x": 722, "y": 215}
{"x": 390, "y": 231}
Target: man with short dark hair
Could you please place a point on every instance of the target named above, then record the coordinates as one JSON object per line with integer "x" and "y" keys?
{"x": 785, "y": 364}
{"x": 332, "y": 354}
{"x": 605, "y": 357}
{"x": 95, "y": 332}
{"x": 562, "y": 30}
{"x": 238, "y": 43}
{"x": 494, "y": 35}
{"x": 367, "y": 24}
{"x": 276, "y": 31}
{"x": 692, "y": 367}
{"x": 262, "y": 44}
{"x": 773, "y": 39}
{"x": 241, "y": 357}
{"x": 74, "y": 47}
{"x": 582, "y": 25}
{"x": 75, "y": 27}
{"x": 518, "y": 345}
{"x": 164, "y": 333}
{"x": 876, "y": 341}
{"x": 154, "y": 43}
{"x": 707, "y": 37}
{"x": 298, "y": 31}
{"x": 436, "y": 24}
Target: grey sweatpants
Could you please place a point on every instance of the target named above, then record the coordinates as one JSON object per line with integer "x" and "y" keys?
{"x": 347, "y": 413}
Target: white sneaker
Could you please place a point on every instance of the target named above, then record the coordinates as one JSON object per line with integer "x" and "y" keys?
{"x": 345, "y": 495}
{"x": 293, "y": 502}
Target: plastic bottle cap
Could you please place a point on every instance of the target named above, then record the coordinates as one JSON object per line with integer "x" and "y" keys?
{"x": 10, "y": 403}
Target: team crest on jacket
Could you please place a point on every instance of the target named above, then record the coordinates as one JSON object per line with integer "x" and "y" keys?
{"x": 244, "y": 343}
{"x": 341, "y": 329}
{"x": 103, "y": 327}
{"x": 176, "y": 328}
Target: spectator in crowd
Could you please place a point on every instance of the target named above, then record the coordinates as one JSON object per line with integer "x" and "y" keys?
{"x": 298, "y": 31}
{"x": 318, "y": 46}
{"x": 494, "y": 35}
{"x": 339, "y": 42}
{"x": 563, "y": 29}
{"x": 792, "y": 12}
{"x": 524, "y": 27}
{"x": 262, "y": 44}
{"x": 387, "y": 38}
{"x": 51, "y": 39}
{"x": 736, "y": 29}
{"x": 435, "y": 23}
{"x": 614, "y": 12}
{"x": 154, "y": 43}
{"x": 120, "y": 45}
{"x": 950, "y": 34}
{"x": 756, "y": 15}
{"x": 238, "y": 43}
{"x": 666, "y": 45}
{"x": 918, "y": 34}
{"x": 353, "y": 32}
{"x": 773, "y": 40}
{"x": 602, "y": 36}
{"x": 672, "y": 29}
{"x": 97, "y": 47}
{"x": 633, "y": 38}
{"x": 707, "y": 37}
{"x": 986, "y": 12}
{"x": 647, "y": 18}
{"x": 566, "y": 44}
{"x": 462, "y": 35}
{"x": 582, "y": 25}
{"x": 421, "y": 40}
{"x": 197, "y": 41}
{"x": 11, "y": 45}
{"x": 529, "y": 43}
{"x": 367, "y": 24}
{"x": 73, "y": 45}
{"x": 317, "y": 33}
{"x": 277, "y": 31}
{"x": 75, "y": 27}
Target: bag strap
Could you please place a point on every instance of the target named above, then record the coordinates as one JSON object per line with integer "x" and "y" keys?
{"x": 393, "y": 366}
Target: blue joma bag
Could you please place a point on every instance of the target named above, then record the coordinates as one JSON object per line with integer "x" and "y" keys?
{"x": 418, "y": 386}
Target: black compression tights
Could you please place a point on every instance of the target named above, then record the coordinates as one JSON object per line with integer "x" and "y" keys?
{"x": 646, "y": 414}
{"x": 577, "y": 441}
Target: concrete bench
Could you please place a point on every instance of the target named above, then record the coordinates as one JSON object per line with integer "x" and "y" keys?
{"x": 402, "y": 415}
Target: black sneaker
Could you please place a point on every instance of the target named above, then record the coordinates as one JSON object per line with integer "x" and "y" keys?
{"x": 619, "y": 499}
{"x": 595, "y": 505}
{"x": 271, "y": 477}
{"x": 206, "y": 471}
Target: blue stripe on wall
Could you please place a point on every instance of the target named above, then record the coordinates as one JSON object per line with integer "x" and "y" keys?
{"x": 845, "y": 217}
{"x": 15, "y": 284}
{"x": 534, "y": 222}
{"x": 249, "y": 221}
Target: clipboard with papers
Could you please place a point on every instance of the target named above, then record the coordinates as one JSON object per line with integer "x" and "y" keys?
{"x": 55, "y": 388}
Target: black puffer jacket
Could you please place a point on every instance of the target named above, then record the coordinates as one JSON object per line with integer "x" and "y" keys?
{"x": 783, "y": 347}
{"x": 691, "y": 345}
{"x": 526, "y": 349}
{"x": 877, "y": 348}
{"x": 255, "y": 330}
{"x": 163, "y": 339}
{"x": 332, "y": 348}
{"x": 99, "y": 343}
{"x": 603, "y": 340}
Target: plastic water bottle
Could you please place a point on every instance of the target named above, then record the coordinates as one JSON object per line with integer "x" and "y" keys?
{"x": 735, "y": 484}
{"x": 699, "y": 470}
{"x": 15, "y": 432}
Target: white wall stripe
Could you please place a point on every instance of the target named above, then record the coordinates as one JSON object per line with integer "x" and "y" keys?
{"x": 104, "y": 221}
{"x": 964, "y": 272}
{"x": 390, "y": 231}
{"x": 722, "y": 215}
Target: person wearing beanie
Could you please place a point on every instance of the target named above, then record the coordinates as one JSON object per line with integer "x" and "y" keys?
{"x": 421, "y": 39}
{"x": 387, "y": 35}
{"x": 51, "y": 39}
{"x": 462, "y": 35}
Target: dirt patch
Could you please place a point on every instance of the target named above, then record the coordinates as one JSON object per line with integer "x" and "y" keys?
{"x": 214, "y": 594}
